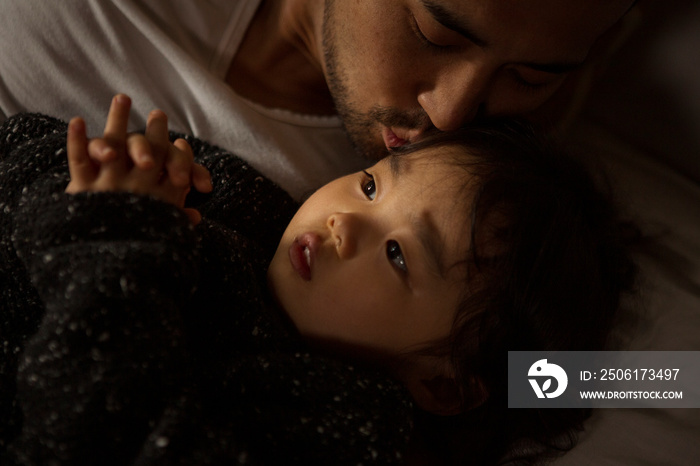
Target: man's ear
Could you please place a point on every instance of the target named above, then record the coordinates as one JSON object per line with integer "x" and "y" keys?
{"x": 434, "y": 387}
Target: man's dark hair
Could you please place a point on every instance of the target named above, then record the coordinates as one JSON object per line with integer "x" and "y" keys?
{"x": 548, "y": 264}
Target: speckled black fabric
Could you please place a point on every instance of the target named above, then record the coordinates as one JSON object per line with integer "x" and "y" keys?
{"x": 129, "y": 337}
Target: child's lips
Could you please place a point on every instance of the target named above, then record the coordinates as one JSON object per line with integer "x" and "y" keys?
{"x": 302, "y": 253}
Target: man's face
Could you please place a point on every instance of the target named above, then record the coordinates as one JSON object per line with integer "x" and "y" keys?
{"x": 398, "y": 68}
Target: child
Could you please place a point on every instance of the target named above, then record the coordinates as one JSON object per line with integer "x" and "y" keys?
{"x": 145, "y": 339}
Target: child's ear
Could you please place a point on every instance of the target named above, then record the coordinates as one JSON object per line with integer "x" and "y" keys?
{"x": 438, "y": 395}
{"x": 435, "y": 389}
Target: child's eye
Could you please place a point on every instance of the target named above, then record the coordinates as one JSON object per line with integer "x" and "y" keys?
{"x": 369, "y": 187}
{"x": 395, "y": 255}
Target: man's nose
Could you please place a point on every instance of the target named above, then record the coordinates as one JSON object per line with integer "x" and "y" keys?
{"x": 457, "y": 97}
{"x": 344, "y": 229}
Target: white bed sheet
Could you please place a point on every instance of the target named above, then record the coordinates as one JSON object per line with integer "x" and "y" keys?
{"x": 666, "y": 205}
{"x": 642, "y": 120}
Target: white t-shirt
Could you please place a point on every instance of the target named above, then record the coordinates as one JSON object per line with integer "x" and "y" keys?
{"x": 68, "y": 58}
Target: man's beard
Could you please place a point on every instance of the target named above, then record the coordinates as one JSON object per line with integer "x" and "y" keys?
{"x": 363, "y": 129}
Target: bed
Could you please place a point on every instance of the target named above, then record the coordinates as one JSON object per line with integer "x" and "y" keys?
{"x": 642, "y": 119}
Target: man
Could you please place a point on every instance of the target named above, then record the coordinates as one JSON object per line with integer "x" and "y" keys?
{"x": 277, "y": 80}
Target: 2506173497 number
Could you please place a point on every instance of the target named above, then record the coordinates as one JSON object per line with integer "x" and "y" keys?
{"x": 639, "y": 374}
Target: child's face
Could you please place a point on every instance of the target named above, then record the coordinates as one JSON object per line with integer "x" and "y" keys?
{"x": 370, "y": 260}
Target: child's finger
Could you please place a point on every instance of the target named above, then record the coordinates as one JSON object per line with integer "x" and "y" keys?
{"x": 102, "y": 151}
{"x": 79, "y": 164}
{"x": 179, "y": 163}
{"x": 139, "y": 150}
{"x": 118, "y": 118}
{"x": 113, "y": 163}
{"x": 157, "y": 136}
{"x": 157, "y": 130}
{"x": 148, "y": 169}
{"x": 194, "y": 215}
{"x": 201, "y": 179}
{"x": 168, "y": 192}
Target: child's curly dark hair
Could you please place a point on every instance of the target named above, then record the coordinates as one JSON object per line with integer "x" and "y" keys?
{"x": 548, "y": 265}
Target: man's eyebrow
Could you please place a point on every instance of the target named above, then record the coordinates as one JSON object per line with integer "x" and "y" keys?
{"x": 451, "y": 21}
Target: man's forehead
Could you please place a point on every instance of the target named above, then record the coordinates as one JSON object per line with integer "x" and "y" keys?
{"x": 485, "y": 17}
{"x": 472, "y": 6}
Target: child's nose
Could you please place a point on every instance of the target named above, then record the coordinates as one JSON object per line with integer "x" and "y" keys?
{"x": 344, "y": 229}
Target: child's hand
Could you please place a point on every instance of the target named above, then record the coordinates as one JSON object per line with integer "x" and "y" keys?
{"x": 143, "y": 164}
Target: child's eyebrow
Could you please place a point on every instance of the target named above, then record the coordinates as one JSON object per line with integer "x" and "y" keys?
{"x": 396, "y": 163}
{"x": 429, "y": 237}
{"x": 424, "y": 227}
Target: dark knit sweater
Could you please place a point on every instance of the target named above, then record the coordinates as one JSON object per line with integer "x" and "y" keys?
{"x": 129, "y": 337}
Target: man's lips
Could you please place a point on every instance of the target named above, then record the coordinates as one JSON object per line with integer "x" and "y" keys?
{"x": 397, "y": 137}
{"x": 391, "y": 140}
{"x": 302, "y": 253}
